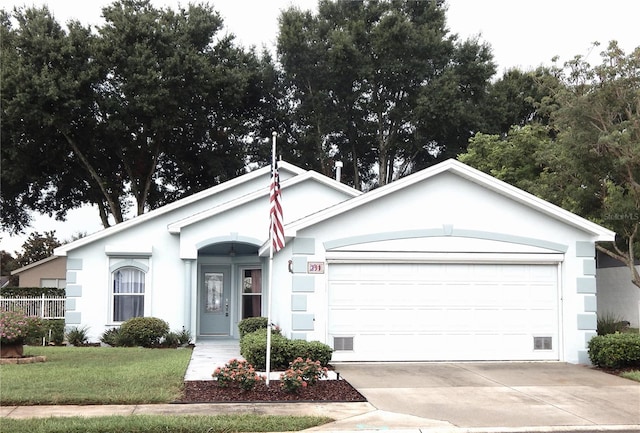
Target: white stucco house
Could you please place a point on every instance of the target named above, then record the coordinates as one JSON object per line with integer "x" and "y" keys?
{"x": 446, "y": 264}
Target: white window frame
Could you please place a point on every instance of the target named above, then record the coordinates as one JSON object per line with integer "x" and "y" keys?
{"x": 128, "y": 263}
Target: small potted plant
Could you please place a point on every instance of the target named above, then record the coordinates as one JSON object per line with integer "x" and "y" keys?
{"x": 15, "y": 328}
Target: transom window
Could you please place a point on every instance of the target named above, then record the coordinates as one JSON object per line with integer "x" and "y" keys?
{"x": 128, "y": 293}
{"x": 252, "y": 293}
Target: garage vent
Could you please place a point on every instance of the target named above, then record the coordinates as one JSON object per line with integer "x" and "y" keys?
{"x": 342, "y": 343}
{"x": 542, "y": 343}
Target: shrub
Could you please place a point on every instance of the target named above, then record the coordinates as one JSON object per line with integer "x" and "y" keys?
{"x": 143, "y": 331}
{"x": 302, "y": 373}
{"x": 253, "y": 348}
{"x": 237, "y": 372}
{"x": 615, "y": 350}
{"x": 78, "y": 336}
{"x": 609, "y": 323}
{"x": 171, "y": 340}
{"x": 54, "y": 331}
{"x": 184, "y": 337}
{"x": 112, "y": 337}
{"x": 251, "y": 324}
{"x": 17, "y": 327}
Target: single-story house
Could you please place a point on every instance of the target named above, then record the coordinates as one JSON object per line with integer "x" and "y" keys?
{"x": 446, "y": 264}
{"x": 49, "y": 272}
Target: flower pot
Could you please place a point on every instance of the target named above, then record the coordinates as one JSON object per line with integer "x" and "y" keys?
{"x": 11, "y": 350}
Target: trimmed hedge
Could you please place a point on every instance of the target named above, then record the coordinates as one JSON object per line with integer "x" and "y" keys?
{"x": 253, "y": 347}
{"x": 31, "y": 291}
{"x": 615, "y": 350}
{"x": 251, "y": 324}
{"x": 143, "y": 331}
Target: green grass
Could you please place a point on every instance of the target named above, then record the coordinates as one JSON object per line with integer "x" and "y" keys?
{"x": 95, "y": 375}
{"x": 157, "y": 424}
{"x": 633, "y": 375}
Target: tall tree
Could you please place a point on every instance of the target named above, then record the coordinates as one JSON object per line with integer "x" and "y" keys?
{"x": 363, "y": 78}
{"x": 152, "y": 106}
{"x": 588, "y": 159}
{"x": 38, "y": 247}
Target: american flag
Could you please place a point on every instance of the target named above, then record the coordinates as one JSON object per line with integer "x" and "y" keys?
{"x": 275, "y": 198}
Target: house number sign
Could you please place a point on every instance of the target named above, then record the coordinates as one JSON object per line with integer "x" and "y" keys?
{"x": 315, "y": 267}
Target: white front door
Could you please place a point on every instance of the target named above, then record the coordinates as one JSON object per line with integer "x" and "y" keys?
{"x": 444, "y": 312}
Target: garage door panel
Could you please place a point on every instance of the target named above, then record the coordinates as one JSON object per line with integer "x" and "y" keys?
{"x": 443, "y": 311}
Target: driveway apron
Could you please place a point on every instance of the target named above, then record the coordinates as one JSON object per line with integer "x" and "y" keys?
{"x": 518, "y": 394}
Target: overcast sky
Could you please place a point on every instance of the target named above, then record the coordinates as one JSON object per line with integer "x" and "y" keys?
{"x": 523, "y": 34}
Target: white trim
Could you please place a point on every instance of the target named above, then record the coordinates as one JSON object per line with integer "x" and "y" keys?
{"x": 62, "y": 250}
{"x": 467, "y": 172}
{"x": 175, "y": 227}
{"x": 128, "y": 250}
{"x": 424, "y": 257}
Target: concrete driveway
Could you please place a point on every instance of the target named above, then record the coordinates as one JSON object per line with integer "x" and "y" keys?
{"x": 497, "y": 394}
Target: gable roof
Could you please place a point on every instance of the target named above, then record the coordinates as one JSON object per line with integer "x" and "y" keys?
{"x": 34, "y": 265}
{"x": 263, "y": 192}
{"x": 298, "y": 175}
{"x": 476, "y": 176}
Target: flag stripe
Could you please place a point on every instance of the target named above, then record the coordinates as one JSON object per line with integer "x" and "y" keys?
{"x": 275, "y": 197}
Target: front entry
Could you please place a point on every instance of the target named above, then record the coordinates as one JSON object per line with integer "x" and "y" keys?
{"x": 214, "y": 300}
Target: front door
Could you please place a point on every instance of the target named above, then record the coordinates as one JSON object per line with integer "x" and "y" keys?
{"x": 215, "y": 296}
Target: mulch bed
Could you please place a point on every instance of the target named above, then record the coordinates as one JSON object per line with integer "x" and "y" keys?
{"x": 208, "y": 391}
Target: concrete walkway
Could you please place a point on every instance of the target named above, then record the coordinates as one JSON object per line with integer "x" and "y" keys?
{"x": 210, "y": 354}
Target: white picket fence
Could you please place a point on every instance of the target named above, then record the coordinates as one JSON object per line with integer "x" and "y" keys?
{"x": 46, "y": 307}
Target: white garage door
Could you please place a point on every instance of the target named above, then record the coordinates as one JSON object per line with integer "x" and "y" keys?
{"x": 421, "y": 312}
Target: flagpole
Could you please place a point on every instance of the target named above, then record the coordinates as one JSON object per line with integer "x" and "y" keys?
{"x": 270, "y": 284}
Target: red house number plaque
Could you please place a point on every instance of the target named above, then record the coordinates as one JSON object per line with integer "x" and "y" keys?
{"x": 315, "y": 267}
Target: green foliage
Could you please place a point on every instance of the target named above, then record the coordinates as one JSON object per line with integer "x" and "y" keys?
{"x": 251, "y": 324}
{"x": 237, "y": 372}
{"x": 245, "y": 422}
{"x": 610, "y": 323}
{"x": 17, "y": 327}
{"x": 615, "y": 350}
{"x": 253, "y": 348}
{"x": 381, "y": 86}
{"x": 302, "y": 373}
{"x": 95, "y": 375}
{"x": 78, "y": 336}
{"x": 113, "y": 337}
{"x": 143, "y": 331}
{"x": 38, "y": 247}
{"x": 53, "y": 331}
{"x": 71, "y": 97}
{"x": 31, "y": 291}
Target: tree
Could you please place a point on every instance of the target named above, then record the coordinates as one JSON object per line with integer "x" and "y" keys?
{"x": 7, "y": 264}
{"x": 588, "y": 159}
{"x": 153, "y": 106}
{"x": 380, "y": 85}
{"x": 599, "y": 125}
{"x": 38, "y": 247}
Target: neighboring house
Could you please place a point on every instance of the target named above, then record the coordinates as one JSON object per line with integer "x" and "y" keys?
{"x": 49, "y": 272}
{"x": 446, "y": 264}
{"x": 617, "y": 296}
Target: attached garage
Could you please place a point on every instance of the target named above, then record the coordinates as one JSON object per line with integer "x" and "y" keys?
{"x": 443, "y": 311}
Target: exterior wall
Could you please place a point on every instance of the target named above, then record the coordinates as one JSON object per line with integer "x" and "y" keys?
{"x": 51, "y": 269}
{"x": 172, "y": 259}
{"x": 454, "y": 205}
{"x": 617, "y": 296}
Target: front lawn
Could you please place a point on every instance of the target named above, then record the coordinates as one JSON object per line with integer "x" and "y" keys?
{"x": 95, "y": 375}
{"x": 633, "y": 375}
{"x": 163, "y": 424}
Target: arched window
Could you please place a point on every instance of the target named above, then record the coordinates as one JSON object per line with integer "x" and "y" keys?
{"x": 128, "y": 293}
